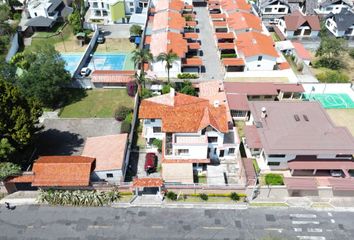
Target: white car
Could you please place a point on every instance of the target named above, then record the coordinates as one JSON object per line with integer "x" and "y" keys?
{"x": 336, "y": 173}
{"x": 85, "y": 71}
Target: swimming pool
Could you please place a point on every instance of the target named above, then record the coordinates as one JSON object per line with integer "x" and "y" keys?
{"x": 99, "y": 61}
{"x": 332, "y": 100}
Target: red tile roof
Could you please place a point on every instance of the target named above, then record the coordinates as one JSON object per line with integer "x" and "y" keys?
{"x": 226, "y": 45}
{"x": 240, "y": 21}
{"x": 252, "y": 137}
{"x": 233, "y": 62}
{"x": 191, "y": 35}
{"x": 228, "y": 35}
{"x": 219, "y": 24}
{"x": 255, "y": 44}
{"x": 301, "y": 51}
{"x": 194, "y": 45}
{"x": 251, "y": 88}
{"x": 238, "y": 102}
{"x": 28, "y": 178}
{"x": 147, "y": 182}
{"x": 112, "y": 76}
{"x": 163, "y": 42}
{"x": 57, "y": 171}
{"x": 194, "y": 61}
{"x": 284, "y": 65}
{"x": 296, "y": 19}
{"x": 176, "y": 5}
{"x": 183, "y": 113}
{"x": 300, "y": 183}
{"x": 168, "y": 20}
{"x": 234, "y": 5}
{"x": 218, "y": 15}
{"x": 191, "y": 23}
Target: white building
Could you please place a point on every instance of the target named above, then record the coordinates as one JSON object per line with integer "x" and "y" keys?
{"x": 274, "y": 7}
{"x": 341, "y": 24}
{"x": 333, "y": 6}
{"x": 191, "y": 129}
{"x": 109, "y": 152}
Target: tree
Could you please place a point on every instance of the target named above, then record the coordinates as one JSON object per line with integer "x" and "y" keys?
{"x": 8, "y": 169}
{"x": 76, "y": 19}
{"x": 331, "y": 47}
{"x": 135, "y": 30}
{"x": 7, "y": 71}
{"x": 169, "y": 58}
{"x": 141, "y": 56}
{"x": 46, "y": 77}
{"x": 18, "y": 118}
{"x": 187, "y": 88}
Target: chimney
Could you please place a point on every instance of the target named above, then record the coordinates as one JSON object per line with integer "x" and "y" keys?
{"x": 216, "y": 103}
{"x": 264, "y": 112}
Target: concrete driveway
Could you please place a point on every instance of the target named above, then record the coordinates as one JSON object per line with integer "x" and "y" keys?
{"x": 116, "y": 31}
{"x": 67, "y": 136}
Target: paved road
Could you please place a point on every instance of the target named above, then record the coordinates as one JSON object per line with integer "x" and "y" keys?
{"x": 211, "y": 61}
{"x": 33, "y": 222}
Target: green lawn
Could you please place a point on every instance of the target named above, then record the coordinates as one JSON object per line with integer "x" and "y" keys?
{"x": 275, "y": 37}
{"x": 44, "y": 37}
{"x": 193, "y": 199}
{"x": 100, "y": 103}
{"x": 255, "y": 165}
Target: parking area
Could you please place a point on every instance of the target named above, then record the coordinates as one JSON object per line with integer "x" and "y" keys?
{"x": 67, "y": 136}
{"x": 137, "y": 164}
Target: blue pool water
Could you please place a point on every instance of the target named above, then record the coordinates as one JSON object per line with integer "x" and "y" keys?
{"x": 99, "y": 61}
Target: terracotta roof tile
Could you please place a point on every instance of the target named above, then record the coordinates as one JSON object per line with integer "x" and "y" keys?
{"x": 296, "y": 19}
{"x": 109, "y": 151}
{"x": 147, "y": 182}
{"x": 233, "y": 62}
{"x": 240, "y": 21}
{"x": 163, "y": 42}
{"x": 194, "y": 45}
{"x": 176, "y": 5}
{"x": 234, "y": 5}
{"x": 228, "y": 35}
{"x": 226, "y": 45}
{"x": 194, "y": 61}
{"x": 255, "y": 44}
{"x": 252, "y": 137}
{"x": 57, "y": 171}
{"x": 301, "y": 51}
{"x": 284, "y": 65}
{"x": 238, "y": 102}
{"x": 168, "y": 20}
{"x": 191, "y": 35}
{"x": 183, "y": 113}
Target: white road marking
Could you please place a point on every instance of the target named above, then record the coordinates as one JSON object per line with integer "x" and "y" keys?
{"x": 330, "y": 214}
{"x": 30, "y": 226}
{"x": 311, "y": 237}
{"x": 280, "y": 230}
{"x": 332, "y": 220}
{"x": 99, "y": 226}
{"x": 305, "y": 222}
{"x": 303, "y": 215}
{"x": 298, "y": 229}
{"x": 214, "y": 228}
{"x": 314, "y": 230}
{"x": 156, "y": 226}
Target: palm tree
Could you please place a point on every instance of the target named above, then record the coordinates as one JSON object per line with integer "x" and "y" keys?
{"x": 141, "y": 56}
{"x": 169, "y": 58}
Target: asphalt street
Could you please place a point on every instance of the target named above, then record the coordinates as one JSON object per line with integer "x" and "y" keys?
{"x": 34, "y": 222}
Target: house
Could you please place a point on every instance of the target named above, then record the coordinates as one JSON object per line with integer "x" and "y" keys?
{"x": 109, "y": 152}
{"x": 43, "y": 14}
{"x": 111, "y": 78}
{"x": 333, "y": 6}
{"x": 282, "y": 134}
{"x": 257, "y": 50}
{"x": 240, "y": 93}
{"x": 301, "y": 54}
{"x": 270, "y": 9}
{"x": 169, "y": 31}
{"x": 341, "y": 24}
{"x": 193, "y": 132}
{"x": 297, "y": 24}
{"x": 243, "y": 22}
{"x": 115, "y": 11}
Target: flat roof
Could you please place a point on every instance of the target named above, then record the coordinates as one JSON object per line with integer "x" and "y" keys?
{"x": 261, "y": 88}
{"x": 304, "y": 128}
{"x": 177, "y": 172}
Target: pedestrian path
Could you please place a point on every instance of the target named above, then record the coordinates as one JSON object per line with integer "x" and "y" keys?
{"x": 210, "y": 57}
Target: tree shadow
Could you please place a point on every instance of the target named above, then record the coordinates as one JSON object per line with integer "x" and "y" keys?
{"x": 55, "y": 142}
{"x": 73, "y": 95}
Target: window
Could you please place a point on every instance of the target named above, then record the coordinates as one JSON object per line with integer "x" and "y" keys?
{"x": 258, "y": 65}
{"x": 102, "y": 4}
{"x": 268, "y": 97}
{"x": 273, "y": 163}
{"x": 131, "y": 9}
{"x": 287, "y": 95}
{"x": 212, "y": 139}
{"x": 152, "y": 120}
{"x": 95, "y": 5}
{"x": 281, "y": 10}
{"x": 237, "y": 113}
{"x": 222, "y": 152}
{"x": 131, "y": 4}
{"x": 182, "y": 151}
{"x": 105, "y": 13}
{"x": 268, "y": 10}
{"x": 215, "y": 151}
{"x": 35, "y": 14}
{"x": 260, "y": 58}
{"x": 109, "y": 175}
{"x": 255, "y": 97}
{"x": 231, "y": 151}
{"x": 156, "y": 129}
{"x": 210, "y": 129}
{"x": 276, "y": 155}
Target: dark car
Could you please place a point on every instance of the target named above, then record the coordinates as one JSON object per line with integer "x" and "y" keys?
{"x": 100, "y": 39}
{"x": 150, "y": 162}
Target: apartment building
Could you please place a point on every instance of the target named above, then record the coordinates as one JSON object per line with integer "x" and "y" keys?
{"x": 285, "y": 135}
{"x": 194, "y": 132}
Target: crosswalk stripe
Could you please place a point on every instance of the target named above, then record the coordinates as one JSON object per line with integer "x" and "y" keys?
{"x": 303, "y": 215}
{"x": 314, "y": 230}
{"x": 305, "y": 222}
{"x": 298, "y": 229}
{"x": 311, "y": 237}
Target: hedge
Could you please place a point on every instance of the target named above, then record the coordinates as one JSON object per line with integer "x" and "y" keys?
{"x": 125, "y": 127}
{"x": 332, "y": 76}
{"x": 187, "y": 76}
{"x": 122, "y": 112}
{"x": 274, "y": 179}
{"x": 228, "y": 55}
{"x": 216, "y": 194}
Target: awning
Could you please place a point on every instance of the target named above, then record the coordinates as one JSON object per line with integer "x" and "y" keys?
{"x": 191, "y": 23}
{"x": 194, "y": 61}
{"x": 147, "y": 182}
{"x": 194, "y": 46}
{"x": 191, "y": 35}
{"x": 297, "y": 183}
{"x": 323, "y": 164}
{"x": 224, "y": 46}
{"x": 233, "y": 62}
{"x": 228, "y": 35}
{"x": 218, "y": 16}
{"x": 341, "y": 184}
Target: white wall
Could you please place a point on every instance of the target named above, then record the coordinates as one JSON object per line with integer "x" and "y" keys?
{"x": 267, "y": 63}
{"x": 102, "y": 175}
{"x": 334, "y": 8}
{"x": 159, "y": 68}
{"x": 148, "y": 126}
{"x": 274, "y": 9}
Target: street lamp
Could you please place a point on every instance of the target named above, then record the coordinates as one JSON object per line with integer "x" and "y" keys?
{"x": 93, "y": 61}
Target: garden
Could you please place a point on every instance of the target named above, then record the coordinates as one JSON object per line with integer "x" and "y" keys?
{"x": 232, "y": 197}
{"x": 271, "y": 179}
{"x": 97, "y": 103}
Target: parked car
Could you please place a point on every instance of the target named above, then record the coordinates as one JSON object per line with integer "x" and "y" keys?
{"x": 150, "y": 162}
{"x": 100, "y": 39}
{"x": 132, "y": 38}
{"x": 85, "y": 71}
{"x": 336, "y": 173}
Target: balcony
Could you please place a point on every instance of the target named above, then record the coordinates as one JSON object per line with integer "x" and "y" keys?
{"x": 187, "y": 140}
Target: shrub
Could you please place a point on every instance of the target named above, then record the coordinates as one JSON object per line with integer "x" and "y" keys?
{"x": 351, "y": 53}
{"x": 228, "y": 55}
{"x": 166, "y": 88}
{"x": 331, "y": 76}
{"x": 135, "y": 30}
{"x": 145, "y": 93}
{"x": 17, "y": 16}
{"x": 234, "y": 196}
{"x": 122, "y": 112}
{"x": 188, "y": 18}
{"x": 331, "y": 63}
{"x": 171, "y": 195}
{"x": 274, "y": 179}
{"x": 157, "y": 143}
{"x": 8, "y": 169}
{"x": 300, "y": 67}
{"x": 217, "y": 195}
{"x": 129, "y": 118}
{"x": 187, "y": 88}
{"x": 131, "y": 88}
{"x": 125, "y": 127}
{"x": 204, "y": 196}
{"x": 187, "y": 76}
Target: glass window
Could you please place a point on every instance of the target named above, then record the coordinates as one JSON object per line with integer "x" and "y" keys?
{"x": 273, "y": 163}
{"x": 182, "y": 151}
{"x": 237, "y": 113}
{"x": 231, "y": 151}
{"x": 156, "y": 129}
{"x": 95, "y": 5}
{"x": 212, "y": 139}
{"x": 260, "y": 58}
{"x": 131, "y": 4}
{"x": 267, "y": 10}
{"x": 105, "y": 13}
{"x": 276, "y": 155}
{"x": 109, "y": 175}
{"x": 281, "y": 10}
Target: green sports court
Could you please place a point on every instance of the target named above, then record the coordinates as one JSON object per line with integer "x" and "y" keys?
{"x": 331, "y": 100}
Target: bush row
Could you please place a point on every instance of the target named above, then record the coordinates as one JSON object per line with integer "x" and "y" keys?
{"x": 205, "y": 197}
{"x": 228, "y": 55}
{"x": 187, "y": 76}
